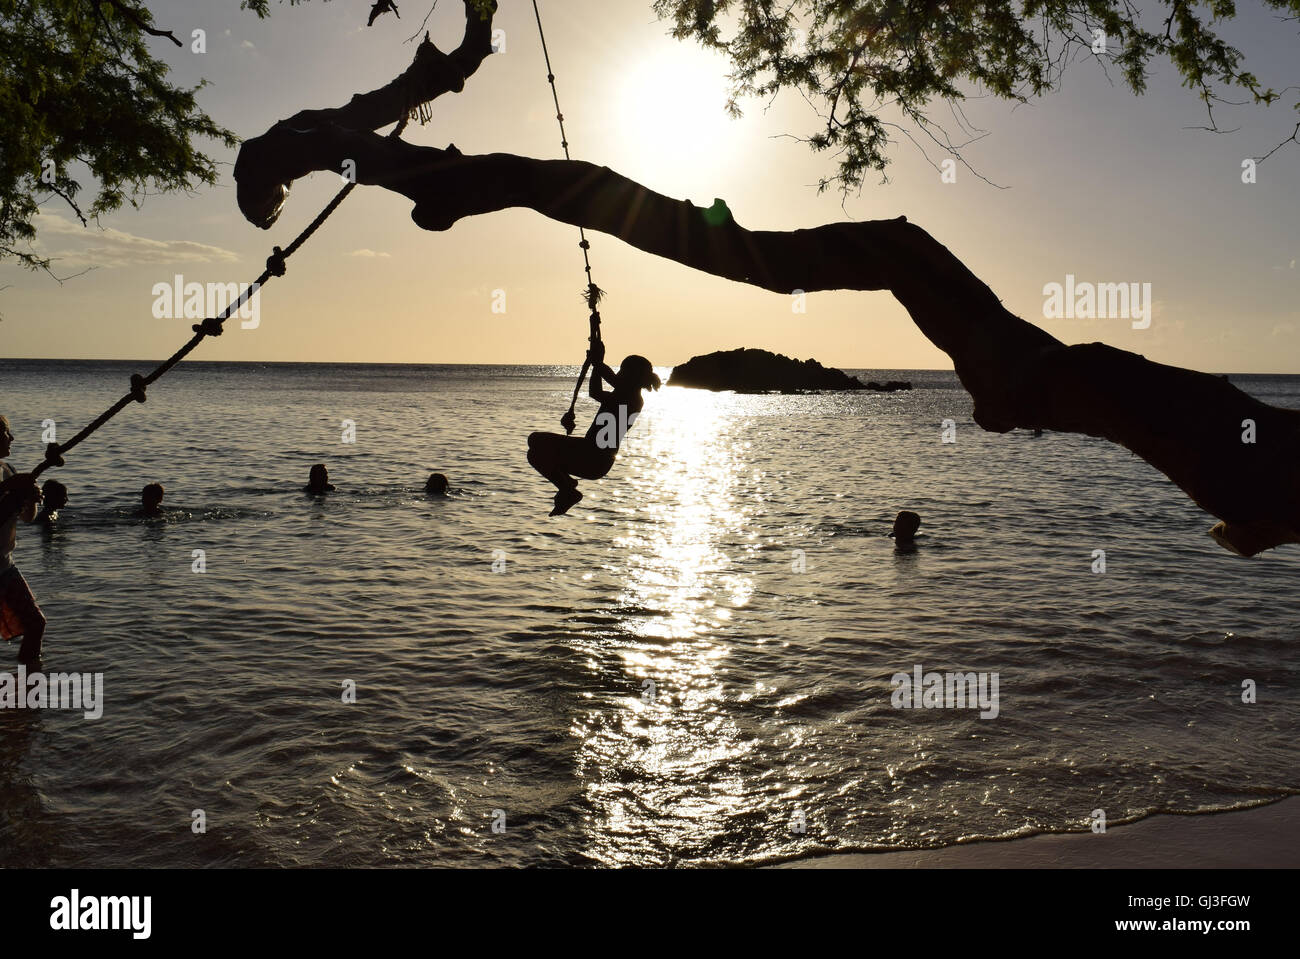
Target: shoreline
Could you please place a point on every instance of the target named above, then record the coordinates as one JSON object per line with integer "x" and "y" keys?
{"x": 1259, "y": 837}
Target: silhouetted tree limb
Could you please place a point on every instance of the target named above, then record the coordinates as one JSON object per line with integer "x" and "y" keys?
{"x": 141, "y": 23}
{"x": 1188, "y": 425}
{"x": 431, "y": 74}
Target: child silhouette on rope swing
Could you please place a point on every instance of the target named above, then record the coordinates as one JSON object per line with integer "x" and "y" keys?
{"x": 561, "y": 458}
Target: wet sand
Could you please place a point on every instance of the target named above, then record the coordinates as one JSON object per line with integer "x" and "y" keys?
{"x": 1262, "y": 837}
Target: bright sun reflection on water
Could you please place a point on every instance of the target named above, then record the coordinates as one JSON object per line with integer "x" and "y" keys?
{"x": 659, "y": 767}
{"x": 687, "y": 479}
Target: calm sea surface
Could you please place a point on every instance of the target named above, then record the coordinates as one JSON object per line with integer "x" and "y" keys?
{"x": 683, "y": 670}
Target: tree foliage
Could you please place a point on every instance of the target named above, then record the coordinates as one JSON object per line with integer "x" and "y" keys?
{"x": 860, "y": 62}
{"x": 79, "y": 90}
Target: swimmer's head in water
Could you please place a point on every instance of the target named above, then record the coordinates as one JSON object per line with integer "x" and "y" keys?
{"x": 152, "y": 496}
{"x": 905, "y": 526}
{"x": 637, "y": 372}
{"x": 55, "y": 495}
{"x": 319, "y": 478}
{"x": 437, "y": 483}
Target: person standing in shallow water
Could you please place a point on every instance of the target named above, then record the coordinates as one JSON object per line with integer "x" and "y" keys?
{"x": 19, "y": 614}
{"x": 561, "y": 458}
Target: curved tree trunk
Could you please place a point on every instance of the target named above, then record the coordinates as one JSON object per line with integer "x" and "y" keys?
{"x": 1188, "y": 425}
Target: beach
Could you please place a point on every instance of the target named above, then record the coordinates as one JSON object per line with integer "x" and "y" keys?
{"x": 1262, "y": 837}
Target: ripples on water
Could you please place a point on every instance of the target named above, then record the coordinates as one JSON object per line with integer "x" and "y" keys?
{"x": 651, "y": 680}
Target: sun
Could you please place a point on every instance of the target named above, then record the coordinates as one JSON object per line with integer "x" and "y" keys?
{"x": 671, "y": 114}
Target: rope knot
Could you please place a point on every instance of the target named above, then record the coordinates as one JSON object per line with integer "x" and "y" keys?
{"x": 275, "y": 262}
{"x": 209, "y": 327}
{"x": 585, "y": 245}
{"x": 137, "y": 388}
{"x": 54, "y": 454}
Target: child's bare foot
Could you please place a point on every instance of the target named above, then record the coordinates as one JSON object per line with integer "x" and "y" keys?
{"x": 565, "y": 500}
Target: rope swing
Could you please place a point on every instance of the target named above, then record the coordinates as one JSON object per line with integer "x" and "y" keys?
{"x": 593, "y": 294}
{"x": 211, "y": 326}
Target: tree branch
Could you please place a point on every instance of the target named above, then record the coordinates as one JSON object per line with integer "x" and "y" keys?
{"x": 139, "y": 21}
{"x": 262, "y": 191}
{"x": 66, "y": 199}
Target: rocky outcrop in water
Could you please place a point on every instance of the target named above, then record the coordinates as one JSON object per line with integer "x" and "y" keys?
{"x": 761, "y": 371}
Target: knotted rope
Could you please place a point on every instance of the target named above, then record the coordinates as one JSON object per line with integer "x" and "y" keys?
{"x": 211, "y": 326}
{"x": 593, "y": 293}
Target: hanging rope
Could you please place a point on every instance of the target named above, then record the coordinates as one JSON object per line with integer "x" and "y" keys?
{"x": 594, "y": 293}
{"x": 417, "y": 109}
{"x": 212, "y": 326}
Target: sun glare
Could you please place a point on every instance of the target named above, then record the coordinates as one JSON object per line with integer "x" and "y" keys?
{"x": 671, "y": 110}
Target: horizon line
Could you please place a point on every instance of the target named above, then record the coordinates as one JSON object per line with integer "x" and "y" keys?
{"x": 99, "y": 359}
{"x": 147, "y": 360}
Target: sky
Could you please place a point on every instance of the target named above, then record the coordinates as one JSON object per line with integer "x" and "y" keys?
{"x": 1091, "y": 182}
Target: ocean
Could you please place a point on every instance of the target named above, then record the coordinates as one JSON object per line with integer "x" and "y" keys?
{"x": 695, "y": 667}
